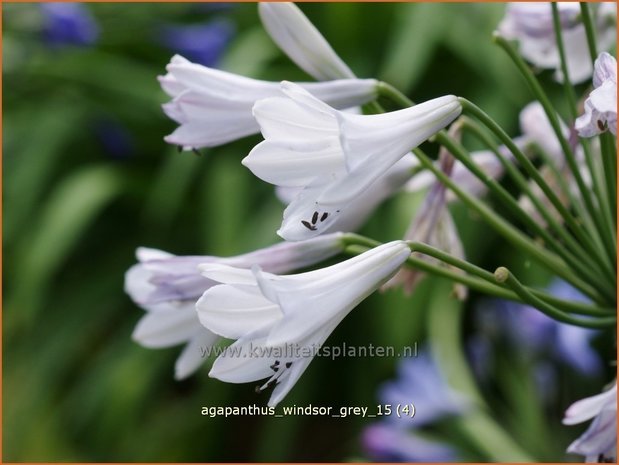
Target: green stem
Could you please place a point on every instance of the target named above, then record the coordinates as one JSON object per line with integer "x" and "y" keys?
{"x": 567, "y": 84}
{"x": 445, "y": 318}
{"x": 589, "y": 30}
{"x": 503, "y": 275}
{"x": 485, "y": 283}
{"x": 565, "y": 146}
{"x": 514, "y": 236}
{"x": 590, "y": 264}
{"x": 582, "y": 262}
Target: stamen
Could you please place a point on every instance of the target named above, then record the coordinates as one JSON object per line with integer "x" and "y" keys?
{"x": 601, "y": 125}
{"x": 324, "y": 216}
{"x": 314, "y": 217}
{"x": 308, "y": 226}
{"x": 196, "y": 152}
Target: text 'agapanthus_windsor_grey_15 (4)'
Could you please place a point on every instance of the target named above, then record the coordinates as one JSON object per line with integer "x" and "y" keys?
{"x": 334, "y": 154}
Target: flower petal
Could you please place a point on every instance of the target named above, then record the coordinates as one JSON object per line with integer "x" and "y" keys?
{"x": 233, "y": 311}
{"x": 165, "y": 329}
{"x": 191, "y": 357}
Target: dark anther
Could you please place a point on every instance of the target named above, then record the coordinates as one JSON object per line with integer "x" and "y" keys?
{"x": 601, "y": 125}
{"x": 179, "y": 148}
{"x": 308, "y": 226}
{"x": 196, "y": 152}
{"x": 314, "y": 217}
{"x": 324, "y": 216}
{"x": 288, "y": 364}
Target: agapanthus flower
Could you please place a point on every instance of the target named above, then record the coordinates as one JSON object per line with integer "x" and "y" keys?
{"x": 203, "y": 43}
{"x": 214, "y": 107}
{"x": 421, "y": 383}
{"x": 433, "y": 225}
{"x": 531, "y": 23}
{"x": 528, "y": 328}
{"x": 168, "y": 286}
{"x": 383, "y": 442}
{"x": 334, "y": 156}
{"x": 300, "y": 40}
{"x": 599, "y": 442}
{"x": 601, "y": 106}
{"x": 361, "y": 207}
{"x": 280, "y": 321}
{"x": 68, "y": 24}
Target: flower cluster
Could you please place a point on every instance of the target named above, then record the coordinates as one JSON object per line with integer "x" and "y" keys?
{"x": 333, "y": 155}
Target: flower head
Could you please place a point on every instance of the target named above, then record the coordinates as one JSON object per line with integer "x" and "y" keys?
{"x": 333, "y": 156}
{"x": 361, "y": 207}
{"x": 420, "y": 382}
{"x": 279, "y": 321}
{"x": 168, "y": 286}
{"x": 214, "y": 107}
{"x": 301, "y": 41}
{"x": 68, "y": 24}
{"x": 532, "y": 25}
{"x": 385, "y": 443}
{"x": 599, "y": 442}
{"x": 601, "y": 106}
{"x": 203, "y": 43}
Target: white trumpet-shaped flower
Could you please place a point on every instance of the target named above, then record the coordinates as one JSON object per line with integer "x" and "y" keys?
{"x": 291, "y": 316}
{"x": 300, "y": 40}
{"x": 361, "y": 207}
{"x": 168, "y": 286}
{"x": 599, "y": 442}
{"x": 531, "y": 23}
{"x": 333, "y": 156}
{"x": 214, "y": 107}
{"x": 601, "y": 106}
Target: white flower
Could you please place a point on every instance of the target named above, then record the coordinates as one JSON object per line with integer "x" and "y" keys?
{"x": 532, "y": 25}
{"x": 601, "y": 106}
{"x": 291, "y": 316}
{"x": 599, "y": 442}
{"x": 168, "y": 286}
{"x": 433, "y": 225}
{"x": 213, "y": 107}
{"x": 301, "y": 41}
{"x": 334, "y": 156}
{"x": 362, "y": 206}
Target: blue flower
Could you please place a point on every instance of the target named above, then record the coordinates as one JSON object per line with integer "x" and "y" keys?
{"x": 202, "y": 43}
{"x": 68, "y": 24}
{"x": 420, "y": 382}
{"x": 385, "y": 443}
{"x": 535, "y": 332}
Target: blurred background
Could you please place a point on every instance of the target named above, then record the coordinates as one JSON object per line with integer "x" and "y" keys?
{"x": 88, "y": 178}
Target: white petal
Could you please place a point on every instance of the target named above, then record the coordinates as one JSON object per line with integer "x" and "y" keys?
{"x": 302, "y": 42}
{"x": 282, "y": 389}
{"x": 233, "y": 311}
{"x": 243, "y": 362}
{"x": 165, "y": 329}
{"x": 288, "y": 256}
{"x": 334, "y": 291}
{"x": 295, "y": 163}
{"x": 191, "y": 357}
{"x": 137, "y": 284}
{"x": 589, "y": 407}
{"x": 226, "y": 274}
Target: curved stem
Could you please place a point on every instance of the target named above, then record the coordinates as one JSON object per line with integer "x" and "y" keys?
{"x": 503, "y": 275}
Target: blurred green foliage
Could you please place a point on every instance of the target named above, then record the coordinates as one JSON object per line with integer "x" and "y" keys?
{"x": 76, "y": 388}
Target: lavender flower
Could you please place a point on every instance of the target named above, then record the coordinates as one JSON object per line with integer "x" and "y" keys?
{"x": 202, "y": 43}
{"x": 420, "y": 382}
{"x": 385, "y": 443}
{"x": 68, "y": 24}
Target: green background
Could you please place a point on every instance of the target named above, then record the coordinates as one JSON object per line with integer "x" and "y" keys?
{"x": 75, "y": 386}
